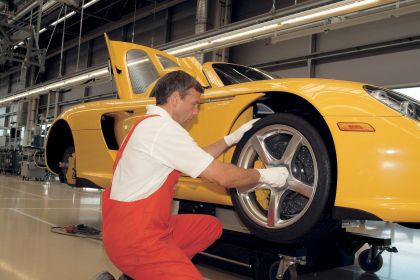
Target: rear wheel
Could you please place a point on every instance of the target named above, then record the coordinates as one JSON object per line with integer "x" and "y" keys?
{"x": 301, "y": 209}
{"x": 68, "y": 167}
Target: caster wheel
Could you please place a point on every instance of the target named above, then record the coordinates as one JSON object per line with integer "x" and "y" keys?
{"x": 290, "y": 273}
{"x": 373, "y": 266}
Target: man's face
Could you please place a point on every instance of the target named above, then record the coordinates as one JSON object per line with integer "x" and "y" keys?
{"x": 185, "y": 109}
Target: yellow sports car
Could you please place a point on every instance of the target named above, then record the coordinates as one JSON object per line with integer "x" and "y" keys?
{"x": 353, "y": 150}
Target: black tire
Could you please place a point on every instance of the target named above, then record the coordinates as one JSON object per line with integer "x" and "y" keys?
{"x": 373, "y": 266}
{"x": 300, "y": 218}
{"x": 65, "y": 159}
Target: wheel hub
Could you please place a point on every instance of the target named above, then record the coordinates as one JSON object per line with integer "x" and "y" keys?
{"x": 274, "y": 146}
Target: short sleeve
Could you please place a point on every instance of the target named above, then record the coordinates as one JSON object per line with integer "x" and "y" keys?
{"x": 175, "y": 148}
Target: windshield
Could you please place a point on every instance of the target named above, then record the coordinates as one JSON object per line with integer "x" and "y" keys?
{"x": 231, "y": 74}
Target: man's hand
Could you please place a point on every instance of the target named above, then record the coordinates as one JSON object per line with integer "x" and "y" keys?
{"x": 236, "y": 136}
{"x": 275, "y": 177}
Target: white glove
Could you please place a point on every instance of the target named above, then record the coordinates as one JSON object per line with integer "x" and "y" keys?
{"x": 236, "y": 136}
{"x": 275, "y": 177}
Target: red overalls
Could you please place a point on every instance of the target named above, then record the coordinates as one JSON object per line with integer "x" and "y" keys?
{"x": 145, "y": 241}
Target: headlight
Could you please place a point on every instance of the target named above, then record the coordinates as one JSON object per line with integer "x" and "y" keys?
{"x": 397, "y": 101}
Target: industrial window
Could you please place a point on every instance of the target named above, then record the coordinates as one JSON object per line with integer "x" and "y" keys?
{"x": 413, "y": 92}
{"x": 141, "y": 70}
{"x": 231, "y": 74}
{"x": 166, "y": 62}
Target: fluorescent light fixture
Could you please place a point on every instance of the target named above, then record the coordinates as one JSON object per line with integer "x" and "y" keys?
{"x": 57, "y": 85}
{"x": 189, "y": 48}
{"x": 19, "y": 44}
{"x": 99, "y": 72}
{"x": 73, "y": 12}
{"x": 245, "y": 33}
{"x": 63, "y": 18}
{"x": 212, "y": 42}
{"x": 329, "y": 11}
{"x": 42, "y": 30}
{"x": 90, "y": 3}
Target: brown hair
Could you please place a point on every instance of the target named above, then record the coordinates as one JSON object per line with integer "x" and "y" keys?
{"x": 174, "y": 81}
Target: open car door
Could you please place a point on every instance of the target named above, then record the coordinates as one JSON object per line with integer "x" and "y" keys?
{"x": 137, "y": 67}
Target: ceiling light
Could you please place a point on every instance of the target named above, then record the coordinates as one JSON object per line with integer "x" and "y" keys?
{"x": 245, "y": 33}
{"x": 218, "y": 41}
{"x": 63, "y": 18}
{"x": 329, "y": 11}
{"x": 90, "y": 3}
{"x": 99, "y": 72}
{"x": 189, "y": 48}
{"x": 73, "y": 12}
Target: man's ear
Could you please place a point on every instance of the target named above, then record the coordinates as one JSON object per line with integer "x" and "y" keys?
{"x": 174, "y": 98}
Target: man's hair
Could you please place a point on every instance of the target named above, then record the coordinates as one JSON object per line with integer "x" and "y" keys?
{"x": 174, "y": 81}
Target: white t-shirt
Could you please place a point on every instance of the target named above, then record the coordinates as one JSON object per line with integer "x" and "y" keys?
{"x": 157, "y": 146}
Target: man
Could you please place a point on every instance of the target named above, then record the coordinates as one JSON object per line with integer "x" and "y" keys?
{"x": 141, "y": 236}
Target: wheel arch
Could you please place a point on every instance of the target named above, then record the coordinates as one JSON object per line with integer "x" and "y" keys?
{"x": 60, "y": 137}
{"x": 286, "y": 102}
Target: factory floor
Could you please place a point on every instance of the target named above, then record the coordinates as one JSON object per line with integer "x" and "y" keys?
{"x": 30, "y": 251}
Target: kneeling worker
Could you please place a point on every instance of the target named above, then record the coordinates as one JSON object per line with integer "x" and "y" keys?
{"x": 141, "y": 236}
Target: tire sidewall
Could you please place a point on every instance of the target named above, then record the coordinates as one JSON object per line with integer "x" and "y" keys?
{"x": 302, "y": 227}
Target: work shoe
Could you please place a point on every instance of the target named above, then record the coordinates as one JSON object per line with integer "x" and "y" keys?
{"x": 105, "y": 275}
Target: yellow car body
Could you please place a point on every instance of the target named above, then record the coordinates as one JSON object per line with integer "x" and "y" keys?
{"x": 377, "y": 172}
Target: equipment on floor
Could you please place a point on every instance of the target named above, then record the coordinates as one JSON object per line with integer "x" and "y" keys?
{"x": 32, "y": 164}
{"x": 245, "y": 253}
{"x": 9, "y": 161}
{"x": 80, "y": 230}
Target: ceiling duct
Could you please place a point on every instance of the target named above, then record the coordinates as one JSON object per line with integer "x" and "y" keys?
{"x": 74, "y": 3}
{"x": 247, "y": 33}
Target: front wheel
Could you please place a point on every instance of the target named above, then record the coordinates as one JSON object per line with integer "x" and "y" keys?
{"x": 301, "y": 209}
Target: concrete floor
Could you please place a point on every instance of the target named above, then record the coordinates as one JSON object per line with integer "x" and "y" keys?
{"x": 29, "y": 251}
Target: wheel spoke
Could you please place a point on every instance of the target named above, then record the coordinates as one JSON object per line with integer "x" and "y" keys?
{"x": 300, "y": 187}
{"x": 278, "y": 145}
{"x": 245, "y": 190}
{"x": 273, "y": 207}
{"x": 257, "y": 143}
{"x": 291, "y": 149}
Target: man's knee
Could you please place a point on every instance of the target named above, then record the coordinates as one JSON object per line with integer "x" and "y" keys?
{"x": 216, "y": 226}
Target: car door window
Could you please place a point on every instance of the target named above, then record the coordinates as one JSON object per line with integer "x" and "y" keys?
{"x": 166, "y": 62}
{"x": 231, "y": 74}
{"x": 141, "y": 71}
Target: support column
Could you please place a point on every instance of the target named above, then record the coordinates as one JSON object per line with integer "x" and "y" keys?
{"x": 168, "y": 25}
{"x": 223, "y": 17}
{"x": 86, "y": 91}
{"x": 201, "y": 22}
{"x": 310, "y": 61}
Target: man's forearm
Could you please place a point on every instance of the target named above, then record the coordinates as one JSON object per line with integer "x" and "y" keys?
{"x": 230, "y": 176}
{"x": 217, "y": 148}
